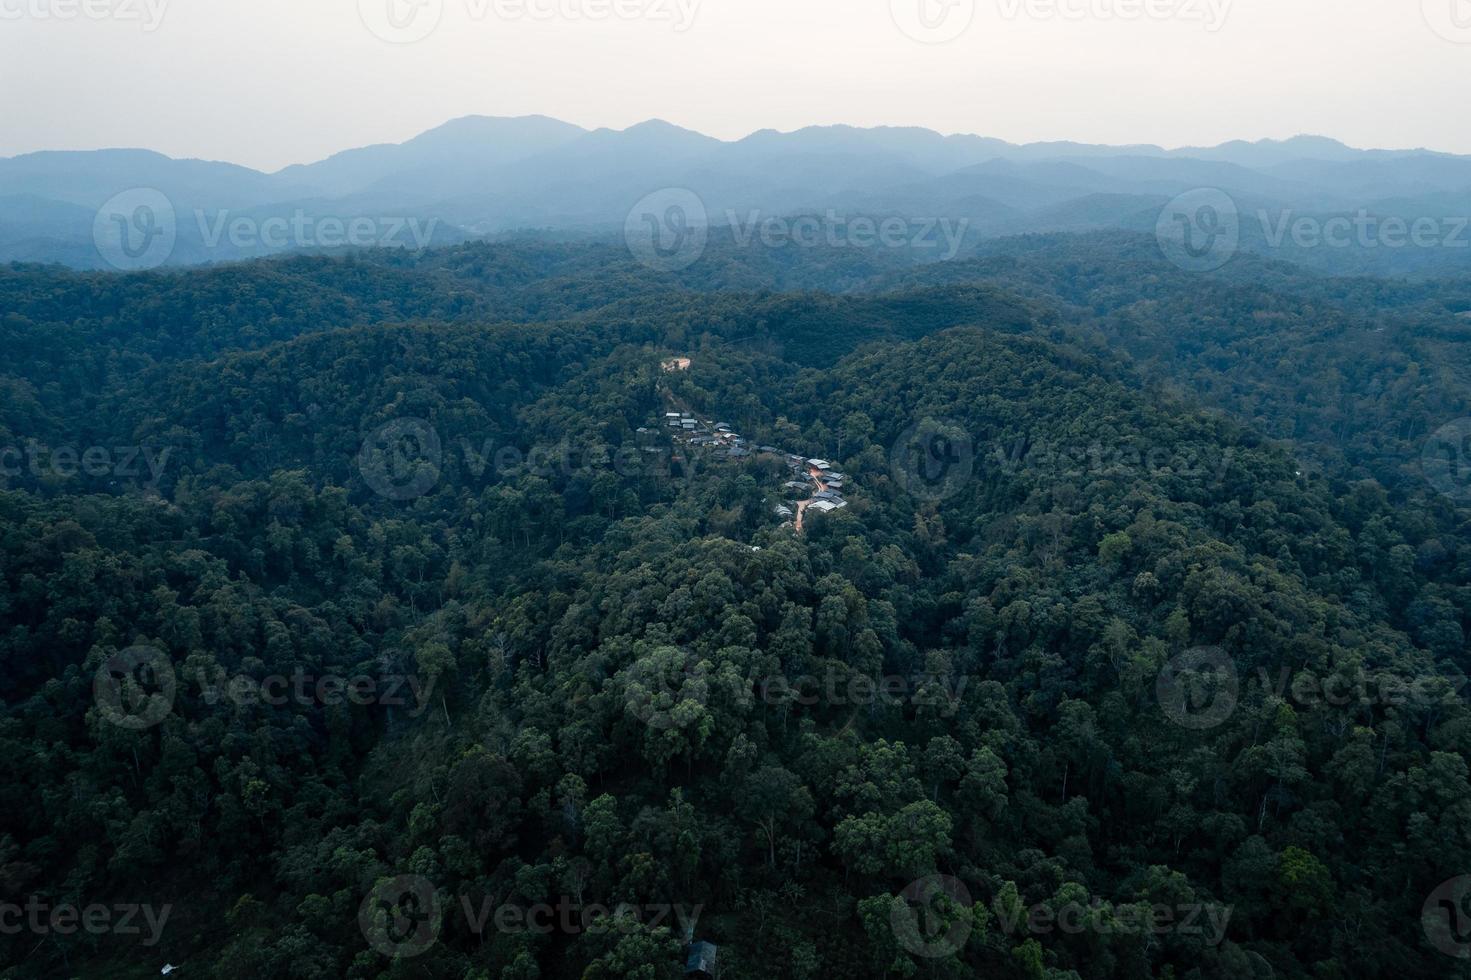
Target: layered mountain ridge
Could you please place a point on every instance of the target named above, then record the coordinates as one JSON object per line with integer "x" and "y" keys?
{"x": 481, "y": 176}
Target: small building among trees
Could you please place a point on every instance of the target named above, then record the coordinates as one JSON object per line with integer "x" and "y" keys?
{"x": 700, "y": 961}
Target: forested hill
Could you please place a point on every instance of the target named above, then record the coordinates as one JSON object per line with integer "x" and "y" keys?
{"x": 1356, "y": 372}
{"x": 623, "y": 683}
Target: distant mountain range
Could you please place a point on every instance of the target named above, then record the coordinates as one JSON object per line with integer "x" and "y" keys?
{"x": 480, "y": 176}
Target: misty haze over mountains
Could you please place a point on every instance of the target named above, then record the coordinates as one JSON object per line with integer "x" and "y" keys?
{"x": 481, "y": 176}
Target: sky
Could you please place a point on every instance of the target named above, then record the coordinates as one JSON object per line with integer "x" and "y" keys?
{"x": 267, "y": 83}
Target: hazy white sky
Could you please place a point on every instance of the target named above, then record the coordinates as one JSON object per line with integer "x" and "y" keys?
{"x": 271, "y": 82}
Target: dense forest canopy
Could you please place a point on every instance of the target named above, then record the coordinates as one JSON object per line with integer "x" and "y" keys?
{"x": 364, "y": 617}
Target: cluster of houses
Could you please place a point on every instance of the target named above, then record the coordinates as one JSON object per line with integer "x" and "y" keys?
{"x": 827, "y": 483}
{"x": 814, "y": 485}
{"x": 818, "y": 485}
{"x": 717, "y": 438}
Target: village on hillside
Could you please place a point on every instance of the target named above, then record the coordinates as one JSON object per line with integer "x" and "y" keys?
{"x": 814, "y": 484}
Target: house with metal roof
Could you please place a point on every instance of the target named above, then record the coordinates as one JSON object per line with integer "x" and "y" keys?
{"x": 701, "y": 961}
